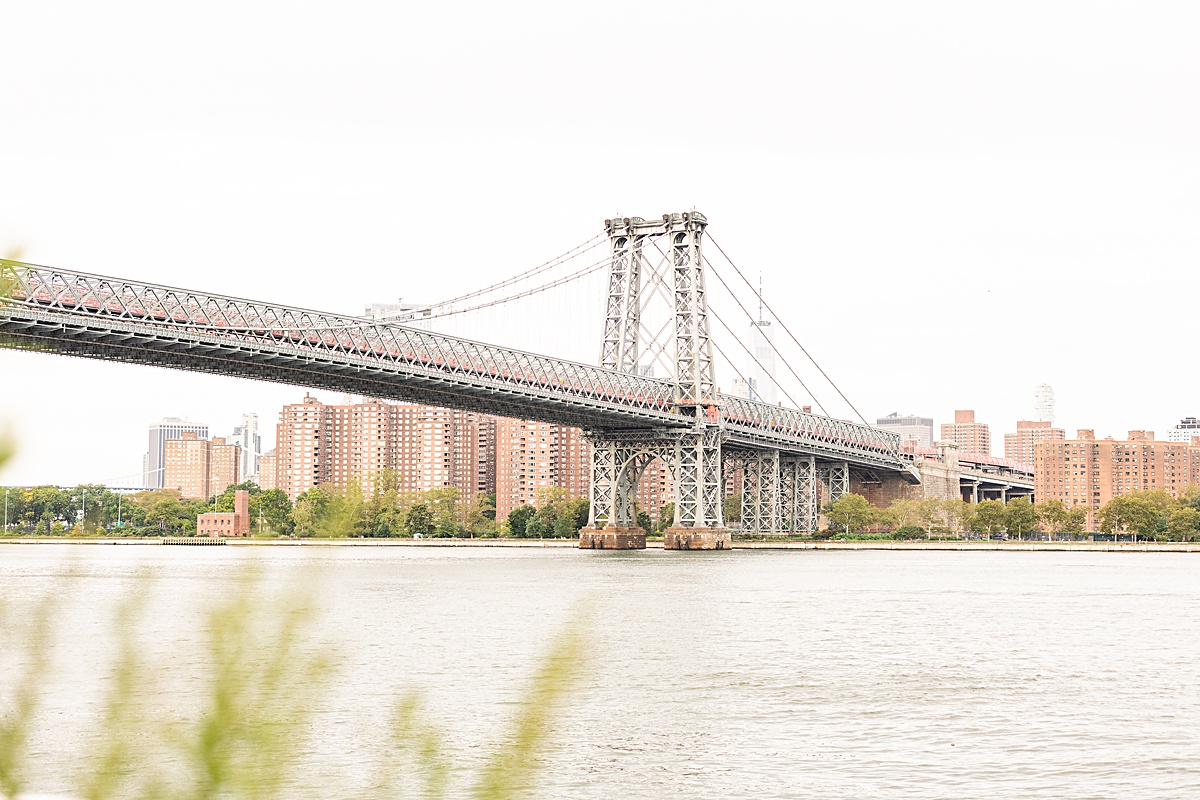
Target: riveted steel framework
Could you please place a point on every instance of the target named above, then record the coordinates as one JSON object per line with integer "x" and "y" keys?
{"x": 684, "y": 422}
{"x": 798, "y": 495}
{"x": 835, "y": 480}
{"x": 622, "y": 319}
{"x": 762, "y": 495}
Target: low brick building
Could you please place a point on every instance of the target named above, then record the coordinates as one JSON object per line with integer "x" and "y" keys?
{"x": 224, "y": 523}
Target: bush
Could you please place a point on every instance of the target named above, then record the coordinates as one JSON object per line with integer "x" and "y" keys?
{"x": 909, "y": 532}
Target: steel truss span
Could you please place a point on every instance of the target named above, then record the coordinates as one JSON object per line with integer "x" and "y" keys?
{"x": 95, "y": 316}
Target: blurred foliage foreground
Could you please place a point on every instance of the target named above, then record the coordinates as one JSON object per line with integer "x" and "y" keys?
{"x": 256, "y": 706}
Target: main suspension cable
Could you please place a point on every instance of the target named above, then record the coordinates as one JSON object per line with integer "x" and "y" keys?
{"x": 582, "y": 272}
{"x": 575, "y": 251}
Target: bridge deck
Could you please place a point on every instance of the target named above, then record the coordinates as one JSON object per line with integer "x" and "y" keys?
{"x": 107, "y": 318}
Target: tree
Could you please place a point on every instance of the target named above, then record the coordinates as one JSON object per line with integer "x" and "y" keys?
{"x": 1076, "y": 521}
{"x": 519, "y": 518}
{"x": 275, "y": 509}
{"x": 1052, "y": 515}
{"x": 480, "y": 516}
{"x": 644, "y": 522}
{"x": 445, "y": 504}
{"x": 1019, "y": 516}
{"x": 1191, "y": 497}
{"x": 666, "y": 514}
{"x": 733, "y": 508}
{"x": 906, "y": 513}
{"x": 565, "y": 526}
{"x": 850, "y": 513}
{"x": 1134, "y": 514}
{"x": 538, "y": 528}
{"x": 225, "y": 501}
{"x": 582, "y": 508}
{"x": 446, "y": 528}
{"x": 1184, "y": 524}
{"x": 419, "y": 521}
{"x": 989, "y": 517}
{"x": 956, "y": 512}
{"x": 309, "y": 511}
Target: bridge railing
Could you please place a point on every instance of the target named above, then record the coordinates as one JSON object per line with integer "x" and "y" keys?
{"x": 83, "y": 295}
{"x": 823, "y": 433}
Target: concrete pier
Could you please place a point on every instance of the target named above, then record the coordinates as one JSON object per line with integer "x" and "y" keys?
{"x": 697, "y": 539}
{"x": 612, "y": 538}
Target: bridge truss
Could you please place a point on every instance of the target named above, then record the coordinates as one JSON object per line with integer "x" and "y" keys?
{"x": 697, "y": 432}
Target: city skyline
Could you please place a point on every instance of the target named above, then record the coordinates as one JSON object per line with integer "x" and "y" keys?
{"x": 924, "y": 203}
{"x": 198, "y": 418}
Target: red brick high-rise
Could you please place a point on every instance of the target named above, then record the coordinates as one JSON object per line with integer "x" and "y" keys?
{"x": 1088, "y": 472}
{"x": 972, "y": 438}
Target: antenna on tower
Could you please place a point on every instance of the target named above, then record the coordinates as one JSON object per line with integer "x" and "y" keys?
{"x": 760, "y": 297}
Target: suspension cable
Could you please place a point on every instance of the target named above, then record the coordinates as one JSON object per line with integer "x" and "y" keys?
{"x": 782, "y": 358}
{"x": 786, "y": 329}
{"x": 577, "y": 250}
{"x": 583, "y": 271}
{"x": 743, "y": 346}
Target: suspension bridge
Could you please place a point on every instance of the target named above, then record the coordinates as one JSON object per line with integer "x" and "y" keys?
{"x": 649, "y": 284}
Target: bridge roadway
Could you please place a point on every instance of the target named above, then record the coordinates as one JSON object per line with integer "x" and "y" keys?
{"x": 114, "y": 319}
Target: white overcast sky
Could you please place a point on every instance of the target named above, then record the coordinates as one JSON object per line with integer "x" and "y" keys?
{"x": 954, "y": 201}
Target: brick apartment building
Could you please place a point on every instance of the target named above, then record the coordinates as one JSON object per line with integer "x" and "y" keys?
{"x": 972, "y": 437}
{"x": 200, "y": 469}
{"x": 428, "y": 447}
{"x": 535, "y": 455}
{"x": 431, "y": 448}
{"x": 1088, "y": 472}
{"x": 1019, "y": 446}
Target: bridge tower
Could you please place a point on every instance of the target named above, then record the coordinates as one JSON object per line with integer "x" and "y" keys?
{"x": 692, "y": 456}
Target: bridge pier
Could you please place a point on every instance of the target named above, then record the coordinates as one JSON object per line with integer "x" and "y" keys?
{"x": 617, "y": 537}
{"x": 680, "y": 538}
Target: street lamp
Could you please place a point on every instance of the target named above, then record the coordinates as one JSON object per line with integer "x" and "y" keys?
{"x": 83, "y": 514}
{"x": 6, "y": 509}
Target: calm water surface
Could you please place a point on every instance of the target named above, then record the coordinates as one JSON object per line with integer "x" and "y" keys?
{"x": 791, "y": 674}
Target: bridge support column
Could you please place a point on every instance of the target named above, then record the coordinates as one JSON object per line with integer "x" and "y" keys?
{"x": 616, "y": 468}
{"x": 761, "y": 493}
{"x": 836, "y": 479}
{"x": 699, "y": 492}
{"x": 798, "y": 495}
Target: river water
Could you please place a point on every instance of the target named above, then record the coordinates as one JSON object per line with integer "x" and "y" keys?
{"x": 744, "y": 674}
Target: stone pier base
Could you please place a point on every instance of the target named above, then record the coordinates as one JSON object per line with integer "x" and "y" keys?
{"x": 612, "y": 538}
{"x": 697, "y": 539}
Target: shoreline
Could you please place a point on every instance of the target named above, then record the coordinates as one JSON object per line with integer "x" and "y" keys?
{"x": 982, "y": 546}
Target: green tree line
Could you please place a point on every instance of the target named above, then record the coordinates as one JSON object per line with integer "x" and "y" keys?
{"x": 1152, "y": 514}
{"x": 91, "y": 509}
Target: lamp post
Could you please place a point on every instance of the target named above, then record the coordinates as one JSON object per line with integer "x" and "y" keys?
{"x": 6, "y": 509}
{"x": 83, "y": 514}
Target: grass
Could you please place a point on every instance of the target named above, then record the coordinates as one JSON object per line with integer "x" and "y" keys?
{"x": 247, "y": 741}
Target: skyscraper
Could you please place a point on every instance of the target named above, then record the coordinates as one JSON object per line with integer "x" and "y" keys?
{"x": 246, "y": 436}
{"x": 910, "y": 427}
{"x": 154, "y": 461}
{"x": 1043, "y": 403}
